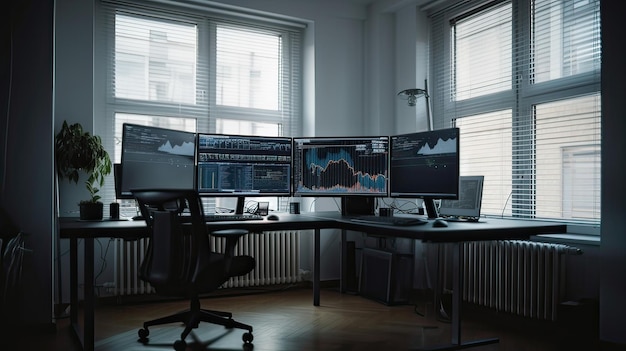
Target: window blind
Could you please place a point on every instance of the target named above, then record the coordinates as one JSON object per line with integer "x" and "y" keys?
{"x": 197, "y": 69}
{"x": 521, "y": 79}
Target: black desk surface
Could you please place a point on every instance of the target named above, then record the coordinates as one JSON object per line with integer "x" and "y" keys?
{"x": 456, "y": 231}
{"x": 74, "y": 227}
{"x": 485, "y": 229}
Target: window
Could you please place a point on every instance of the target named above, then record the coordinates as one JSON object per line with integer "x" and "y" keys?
{"x": 197, "y": 70}
{"x": 521, "y": 79}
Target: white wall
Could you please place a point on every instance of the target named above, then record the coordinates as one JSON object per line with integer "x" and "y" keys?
{"x": 74, "y": 84}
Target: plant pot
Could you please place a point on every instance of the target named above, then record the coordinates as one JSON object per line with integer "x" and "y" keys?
{"x": 91, "y": 211}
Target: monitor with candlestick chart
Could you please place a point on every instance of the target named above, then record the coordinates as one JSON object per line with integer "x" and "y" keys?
{"x": 341, "y": 166}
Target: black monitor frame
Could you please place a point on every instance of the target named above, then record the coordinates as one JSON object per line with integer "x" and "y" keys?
{"x": 374, "y": 147}
{"x": 219, "y": 155}
{"x": 425, "y": 165}
{"x": 156, "y": 158}
{"x": 117, "y": 178}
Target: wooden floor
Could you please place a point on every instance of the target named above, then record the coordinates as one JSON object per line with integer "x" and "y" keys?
{"x": 287, "y": 320}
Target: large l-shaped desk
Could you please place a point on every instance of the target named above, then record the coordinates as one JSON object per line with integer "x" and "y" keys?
{"x": 457, "y": 232}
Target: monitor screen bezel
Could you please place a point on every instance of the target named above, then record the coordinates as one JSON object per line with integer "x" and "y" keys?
{"x": 204, "y": 193}
{"x": 423, "y": 193}
{"x": 300, "y": 193}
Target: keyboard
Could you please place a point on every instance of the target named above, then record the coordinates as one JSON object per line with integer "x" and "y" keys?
{"x": 231, "y": 217}
{"x": 394, "y": 221}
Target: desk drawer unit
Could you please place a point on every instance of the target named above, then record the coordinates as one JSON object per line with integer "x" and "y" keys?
{"x": 277, "y": 255}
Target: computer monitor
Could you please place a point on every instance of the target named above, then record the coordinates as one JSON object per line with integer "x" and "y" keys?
{"x": 238, "y": 165}
{"x": 341, "y": 166}
{"x": 467, "y": 207}
{"x": 425, "y": 165}
{"x": 156, "y": 158}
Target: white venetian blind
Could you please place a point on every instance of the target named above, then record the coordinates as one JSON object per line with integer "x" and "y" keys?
{"x": 521, "y": 79}
{"x": 196, "y": 68}
{"x": 257, "y": 80}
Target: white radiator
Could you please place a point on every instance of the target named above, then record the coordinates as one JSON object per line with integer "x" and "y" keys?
{"x": 515, "y": 276}
{"x": 277, "y": 256}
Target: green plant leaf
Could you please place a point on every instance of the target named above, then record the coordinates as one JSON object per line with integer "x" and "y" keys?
{"x": 77, "y": 150}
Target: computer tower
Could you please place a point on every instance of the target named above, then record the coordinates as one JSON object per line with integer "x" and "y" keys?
{"x": 386, "y": 276}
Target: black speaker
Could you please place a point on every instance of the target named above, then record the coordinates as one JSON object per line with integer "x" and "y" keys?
{"x": 357, "y": 205}
{"x": 262, "y": 208}
{"x": 386, "y": 276}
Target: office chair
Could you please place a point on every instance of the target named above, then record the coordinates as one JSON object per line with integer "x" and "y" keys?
{"x": 180, "y": 261}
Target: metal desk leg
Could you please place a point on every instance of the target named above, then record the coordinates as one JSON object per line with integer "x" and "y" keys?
{"x": 457, "y": 285}
{"x": 86, "y": 333}
{"x": 89, "y": 303}
{"x": 457, "y": 293}
{"x": 316, "y": 268}
{"x": 343, "y": 262}
{"x": 74, "y": 288}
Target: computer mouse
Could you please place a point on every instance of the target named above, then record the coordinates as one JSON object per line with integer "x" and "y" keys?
{"x": 272, "y": 217}
{"x": 439, "y": 222}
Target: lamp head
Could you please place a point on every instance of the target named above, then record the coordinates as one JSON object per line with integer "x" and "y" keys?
{"x": 411, "y": 95}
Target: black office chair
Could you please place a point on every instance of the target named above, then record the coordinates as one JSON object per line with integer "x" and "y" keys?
{"x": 180, "y": 261}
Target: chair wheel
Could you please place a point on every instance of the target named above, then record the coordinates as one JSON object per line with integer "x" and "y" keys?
{"x": 143, "y": 334}
{"x": 180, "y": 345}
{"x": 247, "y": 338}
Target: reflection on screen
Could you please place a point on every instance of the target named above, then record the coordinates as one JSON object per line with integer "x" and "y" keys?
{"x": 156, "y": 158}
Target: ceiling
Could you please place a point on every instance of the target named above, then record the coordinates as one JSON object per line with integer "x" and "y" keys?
{"x": 367, "y": 2}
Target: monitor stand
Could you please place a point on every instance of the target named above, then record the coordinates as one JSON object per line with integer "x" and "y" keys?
{"x": 241, "y": 200}
{"x": 357, "y": 205}
{"x": 431, "y": 209}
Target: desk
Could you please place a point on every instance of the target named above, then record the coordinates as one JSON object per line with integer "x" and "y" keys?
{"x": 74, "y": 229}
{"x": 456, "y": 232}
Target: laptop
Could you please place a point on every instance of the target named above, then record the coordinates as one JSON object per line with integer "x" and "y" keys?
{"x": 467, "y": 207}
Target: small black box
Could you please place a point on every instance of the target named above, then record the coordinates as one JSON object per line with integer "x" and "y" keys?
{"x": 385, "y": 212}
{"x": 294, "y": 207}
{"x": 114, "y": 210}
{"x": 357, "y": 205}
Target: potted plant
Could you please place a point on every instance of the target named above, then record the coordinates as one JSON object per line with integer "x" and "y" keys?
{"x": 79, "y": 151}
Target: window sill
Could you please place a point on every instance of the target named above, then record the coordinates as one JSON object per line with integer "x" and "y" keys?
{"x": 580, "y": 239}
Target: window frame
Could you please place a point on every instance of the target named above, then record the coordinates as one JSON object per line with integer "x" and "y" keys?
{"x": 525, "y": 93}
{"x": 205, "y": 111}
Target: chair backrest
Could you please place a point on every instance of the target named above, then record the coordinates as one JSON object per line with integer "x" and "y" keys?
{"x": 179, "y": 245}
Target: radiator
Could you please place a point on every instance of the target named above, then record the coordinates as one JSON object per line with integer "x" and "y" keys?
{"x": 515, "y": 276}
{"x": 277, "y": 256}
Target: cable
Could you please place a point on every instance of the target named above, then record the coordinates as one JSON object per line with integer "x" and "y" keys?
{"x": 8, "y": 112}
{"x": 311, "y": 205}
{"x": 103, "y": 258}
{"x": 337, "y": 204}
{"x": 505, "y": 203}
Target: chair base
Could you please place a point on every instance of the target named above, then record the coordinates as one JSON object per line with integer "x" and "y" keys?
{"x": 191, "y": 318}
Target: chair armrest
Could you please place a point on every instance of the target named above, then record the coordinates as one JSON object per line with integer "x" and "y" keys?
{"x": 232, "y": 237}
